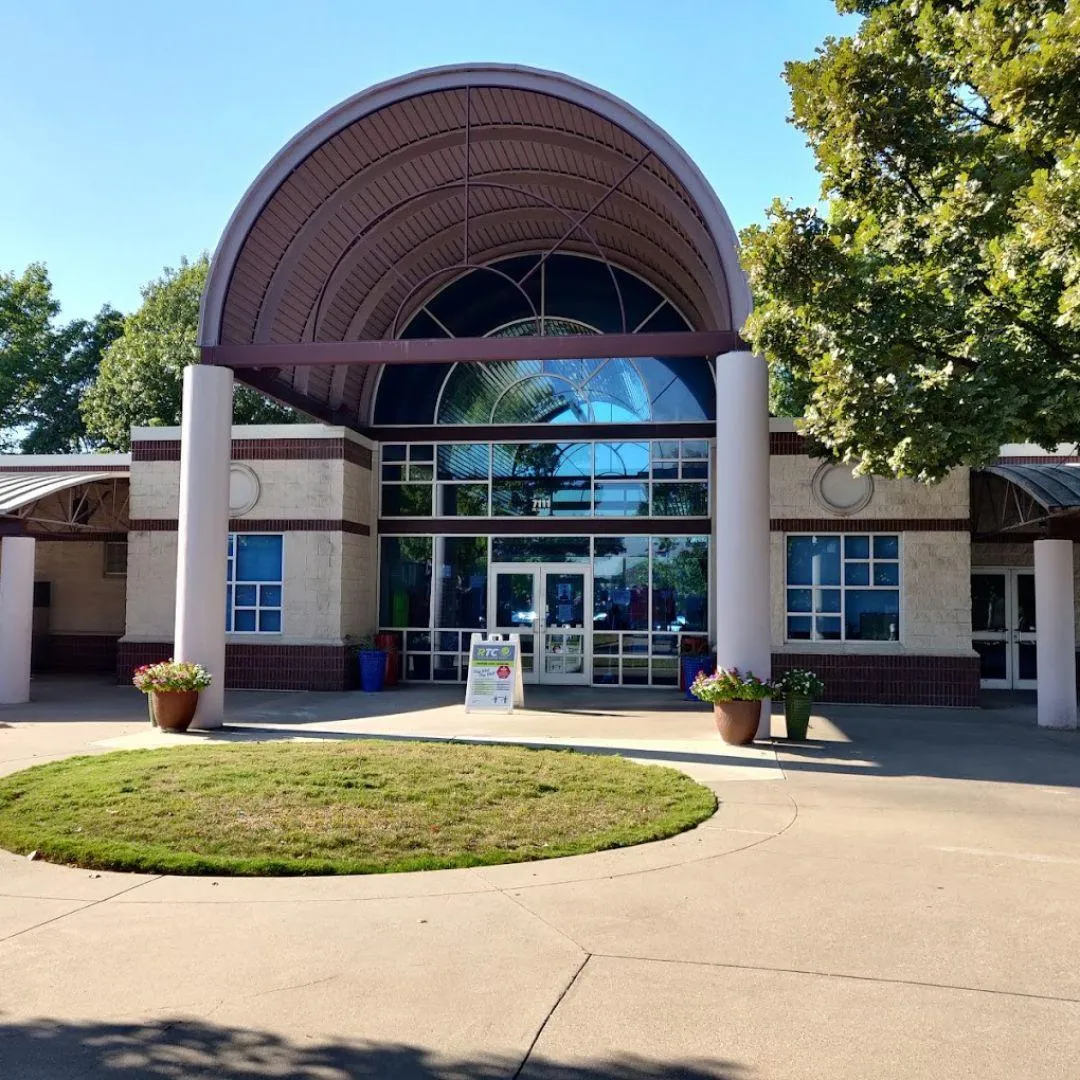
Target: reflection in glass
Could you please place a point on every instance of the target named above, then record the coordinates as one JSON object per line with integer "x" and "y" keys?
{"x": 461, "y": 581}
{"x": 988, "y": 603}
{"x": 871, "y": 614}
{"x": 405, "y": 581}
{"x": 680, "y": 585}
{"x": 540, "y": 549}
{"x": 1025, "y": 605}
{"x": 515, "y": 600}
{"x": 564, "y": 599}
{"x": 620, "y": 588}
{"x": 406, "y": 500}
{"x": 813, "y": 560}
{"x": 993, "y": 659}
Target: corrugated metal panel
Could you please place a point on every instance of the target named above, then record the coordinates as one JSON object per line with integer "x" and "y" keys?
{"x": 1056, "y": 487}
{"x": 21, "y": 489}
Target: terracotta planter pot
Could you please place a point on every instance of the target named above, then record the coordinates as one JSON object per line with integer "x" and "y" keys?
{"x": 174, "y": 709}
{"x": 737, "y": 721}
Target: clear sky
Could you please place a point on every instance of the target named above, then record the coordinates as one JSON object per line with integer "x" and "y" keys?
{"x": 131, "y": 129}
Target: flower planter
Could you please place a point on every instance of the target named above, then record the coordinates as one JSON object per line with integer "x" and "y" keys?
{"x": 173, "y": 710}
{"x": 372, "y": 670}
{"x": 737, "y": 721}
{"x": 797, "y": 715}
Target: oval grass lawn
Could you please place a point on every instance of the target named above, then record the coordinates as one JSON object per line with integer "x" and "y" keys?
{"x": 348, "y": 807}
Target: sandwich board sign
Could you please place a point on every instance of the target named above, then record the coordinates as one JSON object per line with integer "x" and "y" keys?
{"x": 494, "y": 682}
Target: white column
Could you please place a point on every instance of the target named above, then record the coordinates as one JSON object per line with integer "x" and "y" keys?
{"x": 16, "y": 617}
{"x": 741, "y": 500}
{"x": 1056, "y": 614}
{"x": 205, "y": 450}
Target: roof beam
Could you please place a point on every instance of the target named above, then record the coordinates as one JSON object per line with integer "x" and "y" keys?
{"x": 465, "y": 350}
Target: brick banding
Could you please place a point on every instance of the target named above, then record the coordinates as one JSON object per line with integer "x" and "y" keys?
{"x": 860, "y": 525}
{"x": 264, "y": 450}
{"x": 266, "y": 525}
{"x": 786, "y": 443}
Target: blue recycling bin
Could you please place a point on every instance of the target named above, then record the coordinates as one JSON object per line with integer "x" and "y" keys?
{"x": 691, "y": 665}
{"x": 372, "y": 670}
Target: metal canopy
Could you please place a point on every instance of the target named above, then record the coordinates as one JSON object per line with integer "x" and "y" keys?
{"x": 22, "y": 489}
{"x": 378, "y": 205}
{"x": 1011, "y": 497}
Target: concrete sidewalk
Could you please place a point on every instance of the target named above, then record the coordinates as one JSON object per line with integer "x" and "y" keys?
{"x": 897, "y": 899}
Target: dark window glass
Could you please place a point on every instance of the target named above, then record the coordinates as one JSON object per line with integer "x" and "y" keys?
{"x": 680, "y": 500}
{"x": 680, "y": 584}
{"x": 871, "y": 614}
{"x": 258, "y": 558}
{"x": 464, "y": 461}
{"x": 406, "y": 500}
{"x": 540, "y": 549}
{"x": 463, "y": 500}
{"x": 813, "y": 560}
{"x": 886, "y": 547}
{"x": 461, "y": 581}
{"x": 408, "y": 392}
{"x": 405, "y": 581}
{"x": 621, "y": 592}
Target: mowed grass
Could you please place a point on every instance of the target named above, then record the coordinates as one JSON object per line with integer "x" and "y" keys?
{"x": 349, "y": 807}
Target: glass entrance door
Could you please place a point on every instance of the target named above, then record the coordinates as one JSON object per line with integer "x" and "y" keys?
{"x": 1003, "y": 627}
{"x": 565, "y": 653}
{"x": 549, "y": 606}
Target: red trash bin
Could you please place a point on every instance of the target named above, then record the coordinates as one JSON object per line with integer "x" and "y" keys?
{"x": 388, "y": 642}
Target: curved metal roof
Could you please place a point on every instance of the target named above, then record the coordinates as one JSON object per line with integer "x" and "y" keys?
{"x": 22, "y": 489}
{"x": 1054, "y": 487}
{"x": 380, "y": 202}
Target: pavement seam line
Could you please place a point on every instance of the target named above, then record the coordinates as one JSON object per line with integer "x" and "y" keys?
{"x": 550, "y": 1013}
{"x": 79, "y": 910}
{"x": 835, "y": 975}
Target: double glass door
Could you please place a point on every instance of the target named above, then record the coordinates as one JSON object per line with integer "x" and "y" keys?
{"x": 549, "y": 606}
{"x": 1003, "y": 627}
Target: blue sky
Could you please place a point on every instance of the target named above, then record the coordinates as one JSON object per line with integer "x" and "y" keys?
{"x": 132, "y": 129}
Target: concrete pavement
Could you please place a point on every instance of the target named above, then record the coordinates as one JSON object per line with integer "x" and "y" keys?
{"x": 896, "y": 898}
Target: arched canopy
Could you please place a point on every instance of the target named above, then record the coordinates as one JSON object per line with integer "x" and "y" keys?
{"x": 372, "y": 210}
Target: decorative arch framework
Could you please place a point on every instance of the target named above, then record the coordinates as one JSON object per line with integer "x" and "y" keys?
{"x": 352, "y": 229}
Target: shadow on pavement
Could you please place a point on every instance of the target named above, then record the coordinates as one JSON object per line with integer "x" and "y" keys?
{"x": 184, "y": 1048}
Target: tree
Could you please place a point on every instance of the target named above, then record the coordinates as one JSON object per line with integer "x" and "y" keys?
{"x": 45, "y": 367}
{"x": 140, "y": 378}
{"x": 931, "y": 312}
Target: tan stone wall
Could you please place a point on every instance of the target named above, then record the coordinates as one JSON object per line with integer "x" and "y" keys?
{"x": 82, "y": 599}
{"x": 791, "y": 493}
{"x": 151, "y": 590}
{"x": 935, "y": 566}
{"x": 359, "y": 585}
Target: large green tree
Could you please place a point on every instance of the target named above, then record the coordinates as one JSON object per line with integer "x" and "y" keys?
{"x": 140, "y": 378}
{"x": 45, "y": 366}
{"x": 930, "y": 311}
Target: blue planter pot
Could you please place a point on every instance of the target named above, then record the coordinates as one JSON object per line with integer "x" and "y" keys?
{"x": 372, "y": 670}
{"x": 691, "y": 665}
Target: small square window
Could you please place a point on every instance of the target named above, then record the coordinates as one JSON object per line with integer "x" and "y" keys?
{"x": 116, "y": 557}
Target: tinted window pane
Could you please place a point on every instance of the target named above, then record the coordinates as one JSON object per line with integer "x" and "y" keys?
{"x": 614, "y": 498}
{"x": 680, "y": 500}
{"x": 827, "y": 600}
{"x": 270, "y": 622}
{"x": 800, "y": 550}
{"x": 461, "y": 582}
{"x": 620, "y": 593}
{"x": 800, "y": 599}
{"x": 258, "y": 558}
{"x": 540, "y": 549}
{"x": 857, "y": 574}
{"x": 406, "y": 500}
{"x": 405, "y": 581}
{"x": 799, "y": 627}
{"x": 245, "y": 595}
{"x": 886, "y": 547}
{"x": 680, "y": 585}
{"x": 828, "y": 629}
{"x": 813, "y": 560}
{"x": 622, "y": 459}
{"x": 464, "y": 461}
{"x": 872, "y": 614}
{"x": 244, "y": 621}
{"x": 886, "y": 573}
{"x": 463, "y": 500}
{"x": 554, "y": 497}
{"x": 856, "y": 547}
{"x": 621, "y": 545}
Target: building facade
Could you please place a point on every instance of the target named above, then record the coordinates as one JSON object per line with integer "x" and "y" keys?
{"x": 512, "y": 304}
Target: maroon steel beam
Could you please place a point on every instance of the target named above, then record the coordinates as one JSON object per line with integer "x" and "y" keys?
{"x": 465, "y": 350}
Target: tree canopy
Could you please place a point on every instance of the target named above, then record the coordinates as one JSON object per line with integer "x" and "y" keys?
{"x": 930, "y": 312}
{"x": 45, "y": 366}
{"x": 140, "y": 378}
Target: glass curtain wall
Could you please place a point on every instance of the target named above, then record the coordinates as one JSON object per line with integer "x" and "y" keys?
{"x": 650, "y": 599}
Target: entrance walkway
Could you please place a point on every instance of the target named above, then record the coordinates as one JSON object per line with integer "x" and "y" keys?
{"x": 898, "y": 901}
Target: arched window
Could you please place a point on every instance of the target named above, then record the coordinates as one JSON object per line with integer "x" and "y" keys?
{"x": 567, "y": 295}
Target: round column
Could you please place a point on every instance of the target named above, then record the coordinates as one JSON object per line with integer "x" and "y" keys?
{"x": 1056, "y": 625}
{"x": 741, "y": 501}
{"x": 16, "y": 617}
{"x": 202, "y": 531}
